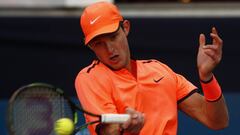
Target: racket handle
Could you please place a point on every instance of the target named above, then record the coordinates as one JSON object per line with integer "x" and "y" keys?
{"x": 114, "y": 118}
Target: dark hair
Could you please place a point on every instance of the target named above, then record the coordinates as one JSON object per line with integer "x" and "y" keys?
{"x": 121, "y": 24}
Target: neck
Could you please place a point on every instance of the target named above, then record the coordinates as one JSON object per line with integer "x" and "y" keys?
{"x": 133, "y": 68}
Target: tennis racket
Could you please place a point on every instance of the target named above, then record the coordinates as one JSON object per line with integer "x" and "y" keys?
{"x": 34, "y": 108}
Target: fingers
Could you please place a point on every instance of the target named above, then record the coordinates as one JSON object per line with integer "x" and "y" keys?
{"x": 211, "y": 54}
{"x": 135, "y": 123}
{"x": 212, "y": 47}
{"x": 214, "y": 31}
{"x": 216, "y": 39}
{"x": 202, "y": 40}
{"x": 213, "y": 51}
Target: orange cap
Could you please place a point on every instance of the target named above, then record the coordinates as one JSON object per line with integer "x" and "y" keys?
{"x": 100, "y": 18}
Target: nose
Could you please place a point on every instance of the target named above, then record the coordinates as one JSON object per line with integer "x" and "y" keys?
{"x": 109, "y": 47}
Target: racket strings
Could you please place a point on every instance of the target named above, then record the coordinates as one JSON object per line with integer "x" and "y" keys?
{"x": 35, "y": 110}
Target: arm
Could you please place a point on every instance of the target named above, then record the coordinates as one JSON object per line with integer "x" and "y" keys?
{"x": 213, "y": 114}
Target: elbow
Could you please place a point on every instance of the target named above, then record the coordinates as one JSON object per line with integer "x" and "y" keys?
{"x": 219, "y": 125}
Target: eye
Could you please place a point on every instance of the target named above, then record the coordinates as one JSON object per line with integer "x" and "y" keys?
{"x": 113, "y": 36}
{"x": 96, "y": 44}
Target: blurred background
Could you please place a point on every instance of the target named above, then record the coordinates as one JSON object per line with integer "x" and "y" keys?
{"x": 41, "y": 41}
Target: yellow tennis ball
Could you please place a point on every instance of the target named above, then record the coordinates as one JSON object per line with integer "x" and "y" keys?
{"x": 64, "y": 126}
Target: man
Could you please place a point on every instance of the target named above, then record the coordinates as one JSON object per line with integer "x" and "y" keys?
{"x": 148, "y": 90}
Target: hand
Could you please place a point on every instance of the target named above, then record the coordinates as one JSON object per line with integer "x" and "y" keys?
{"x": 135, "y": 123}
{"x": 209, "y": 55}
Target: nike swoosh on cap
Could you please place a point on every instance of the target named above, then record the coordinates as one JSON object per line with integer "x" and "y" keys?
{"x": 94, "y": 20}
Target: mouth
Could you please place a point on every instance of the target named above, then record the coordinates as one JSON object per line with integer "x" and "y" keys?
{"x": 114, "y": 58}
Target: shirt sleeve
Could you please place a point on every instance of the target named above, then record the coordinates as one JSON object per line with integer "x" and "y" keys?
{"x": 96, "y": 94}
{"x": 184, "y": 87}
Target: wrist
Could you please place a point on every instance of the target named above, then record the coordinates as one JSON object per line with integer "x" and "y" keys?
{"x": 211, "y": 89}
{"x": 206, "y": 77}
{"x": 206, "y": 81}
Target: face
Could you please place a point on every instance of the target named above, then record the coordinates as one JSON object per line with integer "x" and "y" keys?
{"x": 112, "y": 49}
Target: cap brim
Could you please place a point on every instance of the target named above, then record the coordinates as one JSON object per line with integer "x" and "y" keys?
{"x": 104, "y": 30}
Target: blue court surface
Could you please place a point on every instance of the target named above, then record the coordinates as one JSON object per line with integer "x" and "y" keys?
{"x": 187, "y": 126}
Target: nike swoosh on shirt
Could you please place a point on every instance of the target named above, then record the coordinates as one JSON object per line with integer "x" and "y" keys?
{"x": 157, "y": 80}
{"x": 94, "y": 20}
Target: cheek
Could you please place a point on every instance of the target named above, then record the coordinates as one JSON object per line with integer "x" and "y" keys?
{"x": 101, "y": 55}
{"x": 124, "y": 45}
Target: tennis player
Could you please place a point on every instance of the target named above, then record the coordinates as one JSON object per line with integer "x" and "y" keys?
{"x": 148, "y": 90}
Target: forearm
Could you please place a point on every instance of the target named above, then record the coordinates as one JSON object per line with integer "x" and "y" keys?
{"x": 216, "y": 113}
{"x": 215, "y": 106}
{"x": 213, "y": 114}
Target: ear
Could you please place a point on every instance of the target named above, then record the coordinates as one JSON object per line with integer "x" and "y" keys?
{"x": 126, "y": 27}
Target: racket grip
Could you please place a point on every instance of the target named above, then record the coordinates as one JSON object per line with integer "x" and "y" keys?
{"x": 114, "y": 118}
